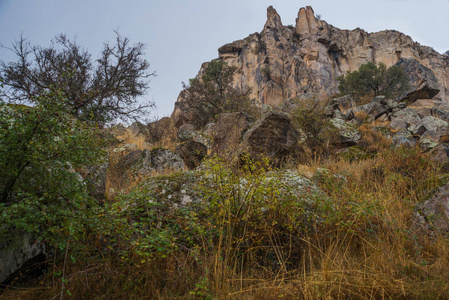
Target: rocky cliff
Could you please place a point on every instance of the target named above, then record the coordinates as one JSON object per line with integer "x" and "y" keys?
{"x": 304, "y": 60}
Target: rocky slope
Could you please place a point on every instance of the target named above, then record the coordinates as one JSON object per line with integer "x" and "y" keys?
{"x": 304, "y": 60}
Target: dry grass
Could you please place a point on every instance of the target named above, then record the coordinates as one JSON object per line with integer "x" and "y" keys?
{"x": 364, "y": 250}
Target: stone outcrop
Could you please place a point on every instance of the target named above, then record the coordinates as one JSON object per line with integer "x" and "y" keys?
{"x": 304, "y": 60}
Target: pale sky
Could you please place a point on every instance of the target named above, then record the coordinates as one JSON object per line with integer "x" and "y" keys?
{"x": 181, "y": 35}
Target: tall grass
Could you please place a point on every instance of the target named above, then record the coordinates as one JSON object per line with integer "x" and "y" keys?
{"x": 254, "y": 242}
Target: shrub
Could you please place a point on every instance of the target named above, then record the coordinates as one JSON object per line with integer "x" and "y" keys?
{"x": 40, "y": 149}
{"x": 212, "y": 94}
{"x": 371, "y": 80}
{"x": 319, "y": 134}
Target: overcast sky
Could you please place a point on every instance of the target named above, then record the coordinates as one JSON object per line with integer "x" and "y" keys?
{"x": 180, "y": 35}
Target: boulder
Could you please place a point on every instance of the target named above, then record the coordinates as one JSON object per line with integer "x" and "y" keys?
{"x": 405, "y": 118}
{"x": 192, "y": 153}
{"x": 272, "y": 137}
{"x": 403, "y": 138}
{"x": 422, "y": 85}
{"x": 349, "y": 133}
{"x": 436, "y": 125}
{"x": 164, "y": 159}
{"x": 18, "y": 254}
{"x": 433, "y": 215}
{"x": 138, "y": 129}
{"x": 186, "y": 132}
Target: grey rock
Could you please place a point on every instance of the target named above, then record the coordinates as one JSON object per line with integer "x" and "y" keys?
{"x": 433, "y": 215}
{"x": 16, "y": 253}
{"x": 423, "y": 83}
{"x": 349, "y": 133}
{"x": 435, "y": 125}
{"x": 403, "y": 138}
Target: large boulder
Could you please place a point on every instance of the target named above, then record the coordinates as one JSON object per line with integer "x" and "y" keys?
{"x": 192, "y": 153}
{"x": 272, "y": 137}
{"x": 422, "y": 85}
{"x": 18, "y": 254}
{"x": 349, "y": 134}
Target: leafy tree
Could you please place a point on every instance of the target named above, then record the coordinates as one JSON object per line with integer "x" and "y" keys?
{"x": 372, "y": 80}
{"x": 100, "y": 91}
{"x": 40, "y": 149}
{"x": 212, "y": 93}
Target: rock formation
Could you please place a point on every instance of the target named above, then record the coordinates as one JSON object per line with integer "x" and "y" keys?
{"x": 304, "y": 60}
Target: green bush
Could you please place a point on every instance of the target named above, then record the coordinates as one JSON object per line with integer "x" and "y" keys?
{"x": 40, "y": 149}
{"x": 371, "y": 80}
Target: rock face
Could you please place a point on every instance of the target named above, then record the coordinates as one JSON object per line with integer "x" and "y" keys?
{"x": 304, "y": 60}
{"x": 272, "y": 137}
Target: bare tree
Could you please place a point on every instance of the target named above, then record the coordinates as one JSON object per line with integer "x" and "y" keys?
{"x": 103, "y": 90}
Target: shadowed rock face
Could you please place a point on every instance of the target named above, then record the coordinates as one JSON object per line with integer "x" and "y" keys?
{"x": 272, "y": 137}
{"x": 305, "y": 60}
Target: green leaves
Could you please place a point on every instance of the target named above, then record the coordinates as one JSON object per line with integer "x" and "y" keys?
{"x": 372, "y": 80}
{"x": 40, "y": 149}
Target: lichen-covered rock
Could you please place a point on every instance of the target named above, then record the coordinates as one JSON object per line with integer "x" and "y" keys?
{"x": 433, "y": 215}
{"x": 349, "y": 133}
{"x": 407, "y": 117}
{"x": 403, "y": 138}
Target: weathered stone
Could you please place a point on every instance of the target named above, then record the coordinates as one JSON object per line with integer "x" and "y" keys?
{"x": 164, "y": 159}
{"x": 186, "y": 132}
{"x": 440, "y": 113}
{"x": 272, "y": 137}
{"x": 433, "y": 215}
{"x": 423, "y": 83}
{"x": 16, "y": 254}
{"x": 436, "y": 125}
{"x": 192, "y": 153}
{"x": 349, "y": 133}
{"x": 403, "y": 138}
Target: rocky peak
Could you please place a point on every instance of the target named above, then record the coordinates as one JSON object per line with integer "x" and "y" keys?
{"x": 273, "y": 19}
{"x": 306, "y": 22}
{"x": 305, "y": 60}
